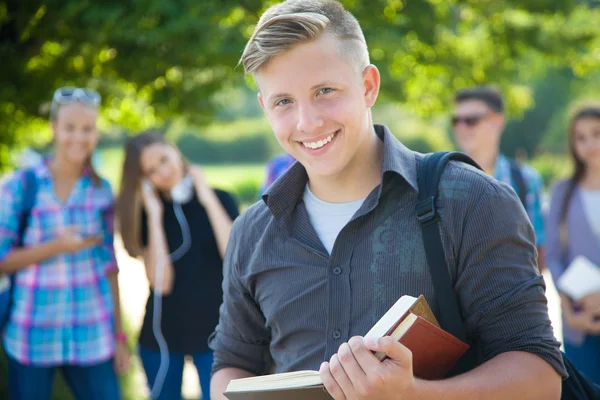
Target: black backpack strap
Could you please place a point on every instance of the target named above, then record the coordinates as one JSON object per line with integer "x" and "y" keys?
{"x": 516, "y": 177}
{"x": 577, "y": 386}
{"x": 29, "y": 194}
{"x": 429, "y": 174}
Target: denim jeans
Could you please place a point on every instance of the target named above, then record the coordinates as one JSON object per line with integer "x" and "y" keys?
{"x": 171, "y": 387}
{"x": 94, "y": 382}
{"x": 586, "y": 357}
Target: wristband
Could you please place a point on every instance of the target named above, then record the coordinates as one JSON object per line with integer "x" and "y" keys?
{"x": 121, "y": 337}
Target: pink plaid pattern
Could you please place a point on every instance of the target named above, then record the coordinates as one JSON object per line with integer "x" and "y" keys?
{"x": 63, "y": 309}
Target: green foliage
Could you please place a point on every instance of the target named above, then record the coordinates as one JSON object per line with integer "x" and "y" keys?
{"x": 153, "y": 60}
{"x": 246, "y": 191}
{"x": 552, "y": 94}
{"x": 111, "y": 165}
{"x": 552, "y": 167}
{"x": 201, "y": 150}
{"x": 436, "y": 47}
{"x": 415, "y": 133}
{"x": 242, "y": 180}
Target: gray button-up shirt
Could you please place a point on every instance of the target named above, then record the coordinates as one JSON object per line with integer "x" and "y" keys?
{"x": 288, "y": 305}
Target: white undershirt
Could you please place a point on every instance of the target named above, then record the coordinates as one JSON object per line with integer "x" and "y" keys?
{"x": 591, "y": 204}
{"x": 328, "y": 219}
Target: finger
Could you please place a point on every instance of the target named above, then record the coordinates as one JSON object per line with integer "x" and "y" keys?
{"x": 352, "y": 368}
{"x": 196, "y": 169}
{"x": 395, "y": 351}
{"x": 90, "y": 241}
{"x": 93, "y": 239}
{"x": 330, "y": 383}
{"x": 363, "y": 355}
{"x": 341, "y": 377}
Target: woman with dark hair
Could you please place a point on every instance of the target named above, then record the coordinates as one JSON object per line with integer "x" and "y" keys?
{"x": 65, "y": 312}
{"x": 573, "y": 229}
{"x": 179, "y": 226}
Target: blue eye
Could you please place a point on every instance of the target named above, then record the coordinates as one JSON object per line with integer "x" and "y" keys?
{"x": 283, "y": 102}
{"x": 325, "y": 90}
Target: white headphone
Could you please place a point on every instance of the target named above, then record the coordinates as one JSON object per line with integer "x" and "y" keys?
{"x": 181, "y": 194}
{"x": 183, "y": 191}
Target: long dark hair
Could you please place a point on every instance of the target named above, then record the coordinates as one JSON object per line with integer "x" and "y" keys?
{"x": 130, "y": 200}
{"x": 588, "y": 111}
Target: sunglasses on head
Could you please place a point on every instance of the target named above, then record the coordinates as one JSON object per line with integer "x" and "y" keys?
{"x": 68, "y": 95}
{"x": 470, "y": 120}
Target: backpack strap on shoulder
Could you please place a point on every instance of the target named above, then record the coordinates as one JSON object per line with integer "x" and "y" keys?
{"x": 29, "y": 194}
{"x": 516, "y": 176}
{"x": 429, "y": 174}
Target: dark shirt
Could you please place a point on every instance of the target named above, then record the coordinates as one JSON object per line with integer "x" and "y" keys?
{"x": 287, "y": 302}
{"x": 191, "y": 311}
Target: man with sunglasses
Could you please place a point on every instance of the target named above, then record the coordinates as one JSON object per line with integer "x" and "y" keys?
{"x": 478, "y": 122}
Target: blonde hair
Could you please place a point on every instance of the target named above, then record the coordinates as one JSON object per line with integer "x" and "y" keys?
{"x": 293, "y": 22}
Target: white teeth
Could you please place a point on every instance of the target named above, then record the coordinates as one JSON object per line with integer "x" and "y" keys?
{"x": 320, "y": 143}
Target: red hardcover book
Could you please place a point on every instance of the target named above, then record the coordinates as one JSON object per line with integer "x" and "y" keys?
{"x": 434, "y": 350}
{"x": 409, "y": 320}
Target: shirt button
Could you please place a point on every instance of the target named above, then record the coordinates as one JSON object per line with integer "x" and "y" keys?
{"x": 337, "y": 270}
{"x": 337, "y": 334}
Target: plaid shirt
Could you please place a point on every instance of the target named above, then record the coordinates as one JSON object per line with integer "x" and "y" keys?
{"x": 275, "y": 168}
{"x": 63, "y": 307}
{"x": 533, "y": 198}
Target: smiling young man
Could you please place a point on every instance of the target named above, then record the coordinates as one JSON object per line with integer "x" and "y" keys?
{"x": 478, "y": 122}
{"x": 335, "y": 241}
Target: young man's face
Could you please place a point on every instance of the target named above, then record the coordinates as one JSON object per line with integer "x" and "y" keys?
{"x": 318, "y": 105}
{"x": 476, "y": 127}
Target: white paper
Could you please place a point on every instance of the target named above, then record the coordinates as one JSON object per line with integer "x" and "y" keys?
{"x": 581, "y": 278}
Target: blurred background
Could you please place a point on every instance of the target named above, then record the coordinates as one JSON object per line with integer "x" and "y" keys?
{"x": 172, "y": 64}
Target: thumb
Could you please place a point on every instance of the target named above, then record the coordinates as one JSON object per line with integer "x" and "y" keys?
{"x": 395, "y": 350}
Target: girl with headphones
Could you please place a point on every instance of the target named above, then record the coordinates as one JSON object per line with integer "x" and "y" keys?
{"x": 179, "y": 226}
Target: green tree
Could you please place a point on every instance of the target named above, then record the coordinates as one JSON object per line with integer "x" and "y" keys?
{"x": 155, "y": 59}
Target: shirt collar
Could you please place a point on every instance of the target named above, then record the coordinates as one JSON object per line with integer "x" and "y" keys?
{"x": 43, "y": 168}
{"x": 283, "y": 195}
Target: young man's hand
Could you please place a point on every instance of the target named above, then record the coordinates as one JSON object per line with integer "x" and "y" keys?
{"x": 355, "y": 373}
